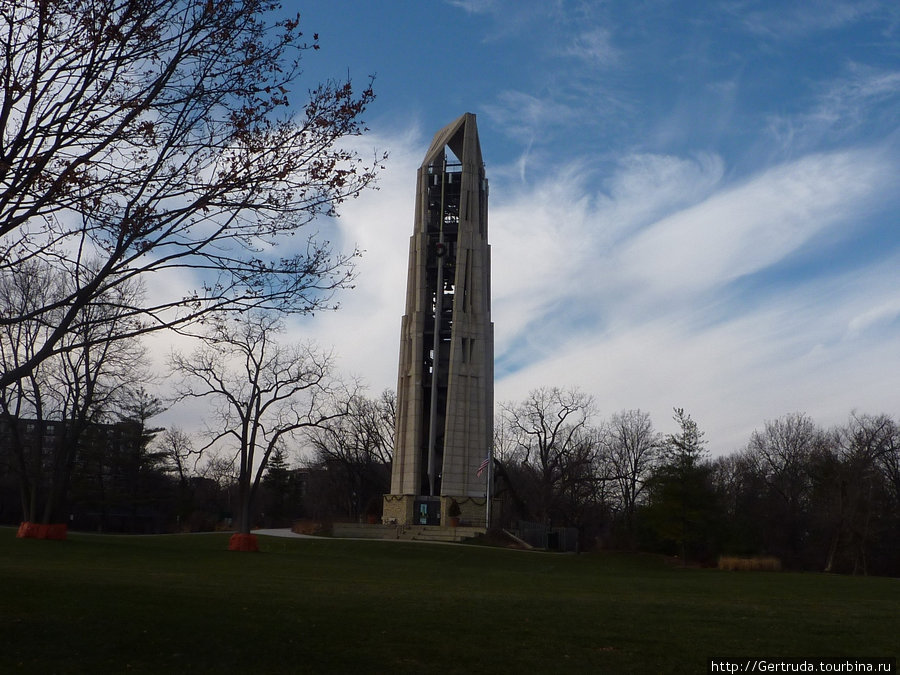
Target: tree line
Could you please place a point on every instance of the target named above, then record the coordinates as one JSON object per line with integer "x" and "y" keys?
{"x": 816, "y": 499}
{"x": 301, "y": 444}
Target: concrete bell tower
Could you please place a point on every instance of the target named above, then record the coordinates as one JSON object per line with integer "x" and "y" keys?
{"x": 445, "y": 383}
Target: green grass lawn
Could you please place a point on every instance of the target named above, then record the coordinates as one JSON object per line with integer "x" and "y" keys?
{"x": 172, "y": 604}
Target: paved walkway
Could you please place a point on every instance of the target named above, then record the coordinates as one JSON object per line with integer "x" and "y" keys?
{"x": 284, "y": 532}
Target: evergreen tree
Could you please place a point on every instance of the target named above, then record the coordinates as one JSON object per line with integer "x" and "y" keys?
{"x": 681, "y": 515}
{"x": 276, "y": 486}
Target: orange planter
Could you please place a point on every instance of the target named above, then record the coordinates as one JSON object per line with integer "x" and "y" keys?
{"x": 243, "y": 542}
{"x": 56, "y": 531}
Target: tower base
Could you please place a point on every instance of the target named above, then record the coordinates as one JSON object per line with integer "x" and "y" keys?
{"x": 421, "y": 510}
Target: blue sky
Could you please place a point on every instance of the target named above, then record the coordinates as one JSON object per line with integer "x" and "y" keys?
{"x": 693, "y": 204}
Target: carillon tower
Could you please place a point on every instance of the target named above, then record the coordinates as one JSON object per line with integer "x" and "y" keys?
{"x": 445, "y": 384}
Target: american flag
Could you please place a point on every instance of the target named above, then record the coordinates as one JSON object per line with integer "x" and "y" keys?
{"x": 482, "y": 466}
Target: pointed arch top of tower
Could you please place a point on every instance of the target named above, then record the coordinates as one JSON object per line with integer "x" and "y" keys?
{"x": 461, "y": 136}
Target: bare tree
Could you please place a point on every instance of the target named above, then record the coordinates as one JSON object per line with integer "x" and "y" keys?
{"x": 632, "y": 449}
{"x": 357, "y": 443}
{"x": 158, "y": 137}
{"x": 556, "y": 445}
{"x": 504, "y": 440}
{"x": 889, "y": 463}
{"x": 68, "y": 394}
{"x": 861, "y": 445}
{"x": 506, "y": 467}
{"x": 782, "y": 454}
{"x": 375, "y": 423}
{"x": 262, "y": 393}
{"x": 741, "y": 492}
{"x": 24, "y": 399}
{"x": 176, "y": 450}
{"x": 219, "y": 468}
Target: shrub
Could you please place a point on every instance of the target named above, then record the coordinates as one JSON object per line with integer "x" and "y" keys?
{"x": 754, "y": 564}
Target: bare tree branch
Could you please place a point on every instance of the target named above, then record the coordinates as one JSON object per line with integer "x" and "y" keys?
{"x": 158, "y": 136}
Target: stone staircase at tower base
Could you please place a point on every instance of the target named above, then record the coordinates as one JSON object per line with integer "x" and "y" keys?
{"x": 406, "y": 532}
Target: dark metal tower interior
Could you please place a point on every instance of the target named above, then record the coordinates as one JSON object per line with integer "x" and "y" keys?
{"x": 442, "y": 233}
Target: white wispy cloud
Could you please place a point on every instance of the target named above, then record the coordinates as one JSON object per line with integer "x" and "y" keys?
{"x": 474, "y": 6}
{"x": 594, "y": 47}
{"x": 847, "y": 100}
{"x": 841, "y": 105}
{"x": 793, "y": 18}
{"x": 747, "y": 228}
{"x": 665, "y": 228}
{"x": 554, "y": 240}
{"x": 884, "y": 311}
{"x": 647, "y": 186}
{"x": 665, "y": 327}
{"x": 524, "y": 116}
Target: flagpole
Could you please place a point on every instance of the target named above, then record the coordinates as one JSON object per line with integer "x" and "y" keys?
{"x": 490, "y": 482}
